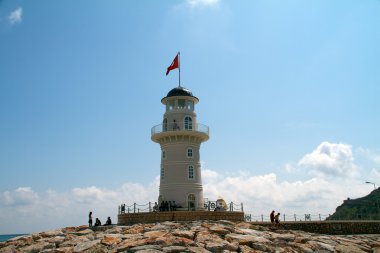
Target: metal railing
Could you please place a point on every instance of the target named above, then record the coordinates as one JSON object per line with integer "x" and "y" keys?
{"x": 172, "y": 127}
{"x": 150, "y": 207}
{"x": 135, "y": 208}
{"x": 287, "y": 217}
{"x": 232, "y": 207}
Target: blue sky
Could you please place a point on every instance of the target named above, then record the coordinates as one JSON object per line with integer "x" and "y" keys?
{"x": 289, "y": 89}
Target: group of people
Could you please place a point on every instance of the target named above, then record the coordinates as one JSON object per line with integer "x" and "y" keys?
{"x": 97, "y": 221}
{"x": 165, "y": 206}
{"x": 275, "y": 219}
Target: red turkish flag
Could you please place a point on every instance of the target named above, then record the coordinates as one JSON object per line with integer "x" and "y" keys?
{"x": 174, "y": 65}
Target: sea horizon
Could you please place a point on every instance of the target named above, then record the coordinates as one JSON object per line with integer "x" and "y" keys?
{"x": 6, "y": 237}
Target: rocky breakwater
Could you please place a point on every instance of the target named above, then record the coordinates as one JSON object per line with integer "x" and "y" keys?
{"x": 197, "y": 236}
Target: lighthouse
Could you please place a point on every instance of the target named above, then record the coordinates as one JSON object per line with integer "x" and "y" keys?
{"x": 180, "y": 137}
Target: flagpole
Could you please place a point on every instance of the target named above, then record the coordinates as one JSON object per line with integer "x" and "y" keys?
{"x": 179, "y": 71}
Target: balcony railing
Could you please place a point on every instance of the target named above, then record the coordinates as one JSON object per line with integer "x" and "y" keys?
{"x": 171, "y": 127}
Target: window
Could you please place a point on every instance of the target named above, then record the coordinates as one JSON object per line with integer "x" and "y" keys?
{"x": 162, "y": 173}
{"x": 191, "y": 202}
{"x": 165, "y": 125}
{"x": 171, "y": 105}
{"x": 191, "y": 172}
{"x": 189, "y": 105}
{"x": 163, "y": 154}
{"x": 181, "y": 103}
{"x": 188, "y": 123}
{"x": 189, "y": 152}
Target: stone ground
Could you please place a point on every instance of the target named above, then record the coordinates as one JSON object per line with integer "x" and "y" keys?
{"x": 196, "y": 237}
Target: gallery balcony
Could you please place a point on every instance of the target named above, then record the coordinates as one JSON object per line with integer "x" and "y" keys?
{"x": 171, "y": 131}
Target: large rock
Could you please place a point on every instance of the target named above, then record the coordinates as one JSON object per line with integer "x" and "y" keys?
{"x": 315, "y": 245}
{"x": 8, "y": 248}
{"x": 59, "y": 250}
{"x": 246, "y": 249}
{"x": 174, "y": 249}
{"x": 169, "y": 240}
{"x": 220, "y": 230}
{"x": 86, "y": 245}
{"x": 349, "y": 249}
{"x": 184, "y": 233}
{"x": 283, "y": 237}
{"x": 155, "y": 233}
{"x": 221, "y": 246}
{"x": 197, "y": 250}
{"x": 144, "y": 247}
{"x": 82, "y": 232}
{"x": 110, "y": 240}
{"x": 242, "y": 239}
{"x": 73, "y": 241}
{"x": 38, "y": 247}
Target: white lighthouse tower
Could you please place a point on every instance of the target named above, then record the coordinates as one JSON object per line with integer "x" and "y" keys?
{"x": 180, "y": 137}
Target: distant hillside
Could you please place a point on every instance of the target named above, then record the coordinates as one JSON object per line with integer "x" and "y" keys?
{"x": 365, "y": 208}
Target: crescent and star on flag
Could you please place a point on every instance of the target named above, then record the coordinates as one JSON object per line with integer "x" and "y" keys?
{"x": 175, "y": 65}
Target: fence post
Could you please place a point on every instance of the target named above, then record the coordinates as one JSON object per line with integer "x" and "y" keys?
{"x": 284, "y": 217}
{"x": 134, "y": 207}
{"x": 295, "y": 217}
{"x": 320, "y": 217}
{"x": 209, "y": 204}
{"x": 242, "y": 207}
{"x": 119, "y": 210}
{"x": 305, "y": 217}
{"x": 231, "y": 206}
{"x": 262, "y": 218}
{"x": 150, "y": 207}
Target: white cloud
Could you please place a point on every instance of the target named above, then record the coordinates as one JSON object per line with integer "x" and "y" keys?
{"x": 24, "y": 211}
{"x": 261, "y": 193}
{"x": 195, "y": 3}
{"x": 15, "y": 16}
{"x": 369, "y": 154}
{"x": 21, "y": 196}
{"x": 330, "y": 159}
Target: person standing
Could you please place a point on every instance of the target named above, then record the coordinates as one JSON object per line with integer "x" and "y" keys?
{"x": 272, "y": 217}
{"x": 277, "y": 219}
{"x": 90, "y": 219}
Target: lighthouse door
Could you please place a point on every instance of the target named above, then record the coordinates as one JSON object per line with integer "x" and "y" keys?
{"x": 191, "y": 202}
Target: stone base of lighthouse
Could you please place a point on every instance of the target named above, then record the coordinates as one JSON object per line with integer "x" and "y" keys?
{"x": 133, "y": 218}
{"x": 185, "y": 196}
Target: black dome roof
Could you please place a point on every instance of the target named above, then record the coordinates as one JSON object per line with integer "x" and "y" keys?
{"x": 180, "y": 91}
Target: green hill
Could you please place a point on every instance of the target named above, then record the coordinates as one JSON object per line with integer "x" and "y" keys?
{"x": 365, "y": 208}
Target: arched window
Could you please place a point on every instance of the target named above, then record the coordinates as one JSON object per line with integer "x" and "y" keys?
{"x": 188, "y": 122}
{"x": 191, "y": 202}
{"x": 165, "y": 125}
